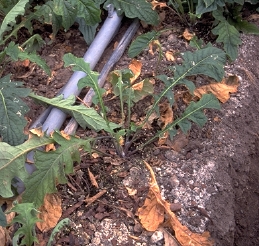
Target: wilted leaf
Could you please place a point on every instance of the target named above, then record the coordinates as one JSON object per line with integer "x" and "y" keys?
{"x": 50, "y": 212}
{"x": 151, "y": 215}
{"x": 221, "y": 89}
{"x": 135, "y": 66}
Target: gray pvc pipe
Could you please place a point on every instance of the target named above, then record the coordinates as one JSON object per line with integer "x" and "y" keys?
{"x": 116, "y": 55}
{"x": 53, "y": 117}
{"x": 56, "y": 117}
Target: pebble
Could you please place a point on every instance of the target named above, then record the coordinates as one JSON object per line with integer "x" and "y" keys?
{"x": 157, "y": 236}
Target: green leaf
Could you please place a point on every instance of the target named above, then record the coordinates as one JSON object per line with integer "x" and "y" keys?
{"x": 27, "y": 217}
{"x": 12, "y": 110}
{"x": 57, "y": 229}
{"x": 209, "y": 61}
{"x": 194, "y": 112}
{"x": 229, "y": 36}
{"x": 16, "y": 53}
{"x": 52, "y": 167}
{"x": 3, "y": 221}
{"x": 246, "y": 27}
{"x": 202, "y": 7}
{"x": 9, "y": 19}
{"x": 88, "y": 10}
{"x": 86, "y": 117}
{"x": 12, "y": 159}
{"x": 34, "y": 43}
{"x": 67, "y": 11}
{"x": 142, "y": 42}
{"x": 87, "y": 31}
{"x": 132, "y": 9}
{"x": 91, "y": 78}
{"x": 49, "y": 17}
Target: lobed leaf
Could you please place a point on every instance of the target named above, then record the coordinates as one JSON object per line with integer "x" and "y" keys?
{"x": 67, "y": 12}
{"x": 205, "y": 6}
{"x": 88, "y": 10}
{"x": 52, "y": 167}
{"x": 12, "y": 110}
{"x": 194, "y": 112}
{"x": 229, "y": 36}
{"x": 132, "y": 9}
{"x": 16, "y": 53}
{"x": 88, "y": 31}
{"x": 12, "y": 159}
{"x": 86, "y": 117}
{"x": 27, "y": 217}
{"x": 9, "y": 20}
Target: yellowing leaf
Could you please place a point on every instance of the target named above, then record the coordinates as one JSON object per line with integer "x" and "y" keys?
{"x": 151, "y": 215}
{"x": 157, "y": 4}
{"x": 187, "y": 35}
{"x": 50, "y": 212}
{"x": 221, "y": 89}
{"x": 135, "y": 66}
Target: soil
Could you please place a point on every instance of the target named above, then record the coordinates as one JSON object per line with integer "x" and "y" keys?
{"x": 209, "y": 176}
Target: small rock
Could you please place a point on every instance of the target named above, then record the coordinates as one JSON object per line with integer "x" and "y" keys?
{"x": 157, "y": 236}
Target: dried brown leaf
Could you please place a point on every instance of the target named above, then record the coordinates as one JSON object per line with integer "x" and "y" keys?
{"x": 131, "y": 192}
{"x": 50, "y": 212}
{"x": 94, "y": 198}
{"x": 50, "y": 147}
{"x": 221, "y": 89}
{"x": 154, "y": 46}
{"x": 151, "y": 215}
{"x": 135, "y": 66}
{"x": 92, "y": 179}
{"x": 166, "y": 117}
{"x": 188, "y": 35}
{"x": 169, "y": 55}
{"x": 158, "y": 4}
{"x": 3, "y": 236}
{"x": 138, "y": 86}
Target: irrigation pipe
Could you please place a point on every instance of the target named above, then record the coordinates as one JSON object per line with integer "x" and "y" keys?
{"x": 116, "y": 55}
{"x": 72, "y": 125}
{"x": 54, "y": 118}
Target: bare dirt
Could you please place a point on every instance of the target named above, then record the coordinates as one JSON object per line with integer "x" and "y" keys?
{"x": 211, "y": 178}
